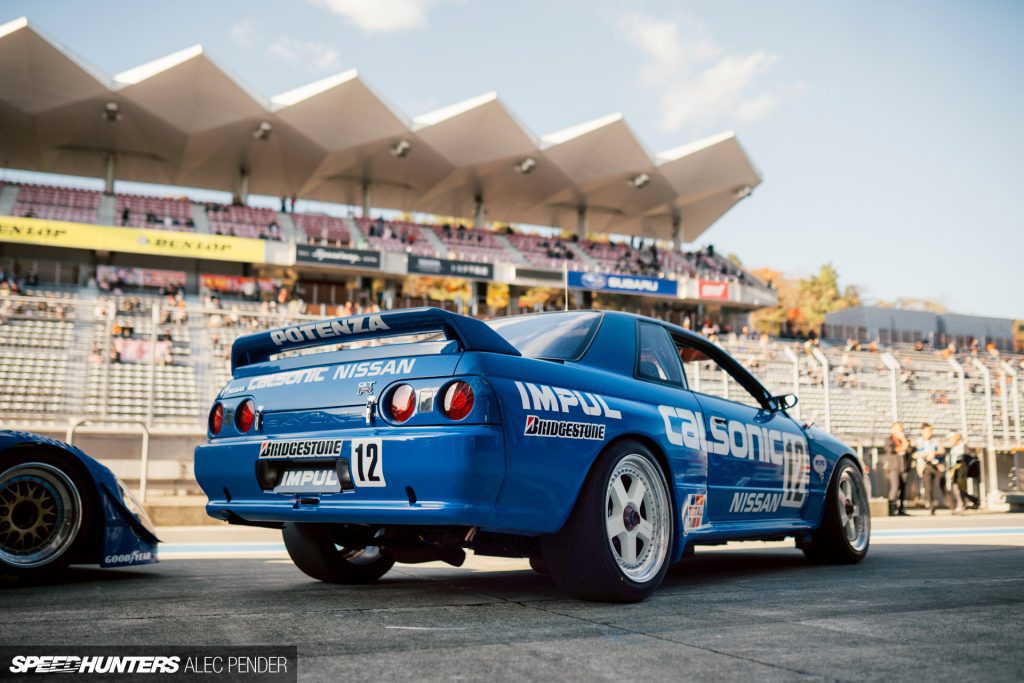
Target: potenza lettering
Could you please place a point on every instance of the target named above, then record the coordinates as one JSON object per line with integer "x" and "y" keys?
{"x": 328, "y": 329}
{"x": 559, "y": 400}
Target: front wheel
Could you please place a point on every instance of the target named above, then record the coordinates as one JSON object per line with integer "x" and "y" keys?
{"x": 44, "y": 516}
{"x": 615, "y": 545}
{"x": 314, "y": 549}
{"x": 845, "y": 531}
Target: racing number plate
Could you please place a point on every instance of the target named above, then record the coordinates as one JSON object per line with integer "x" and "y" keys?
{"x": 368, "y": 463}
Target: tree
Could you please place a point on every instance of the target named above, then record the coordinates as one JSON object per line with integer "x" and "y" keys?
{"x": 803, "y": 302}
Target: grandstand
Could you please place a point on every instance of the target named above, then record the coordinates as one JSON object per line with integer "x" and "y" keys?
{"x": 67, "y": 352}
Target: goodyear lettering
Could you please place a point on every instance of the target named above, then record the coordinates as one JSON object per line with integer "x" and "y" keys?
{"x": 537, "y": 426}
{"x": 560, "y": 400}
{"x": 328, "y": 329}
{"x": 302, "y": 448}
{"x": 755, "y": 502}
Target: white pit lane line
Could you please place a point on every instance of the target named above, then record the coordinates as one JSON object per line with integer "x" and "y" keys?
{"x": 276, "y": 551}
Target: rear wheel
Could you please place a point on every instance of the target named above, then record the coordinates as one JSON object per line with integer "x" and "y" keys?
{"x": 314, "y": 549}
{"x": 845, "y": 531}
{"x": 615, "y": 545}
{"x": 45, "y": 514}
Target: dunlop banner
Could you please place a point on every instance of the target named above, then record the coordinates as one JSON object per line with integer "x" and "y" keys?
{"x": 132, "y": 240}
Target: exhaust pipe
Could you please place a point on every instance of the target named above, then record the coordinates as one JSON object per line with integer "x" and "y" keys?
{"x": 417, "y": 555}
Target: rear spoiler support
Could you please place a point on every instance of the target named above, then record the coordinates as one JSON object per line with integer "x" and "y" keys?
{"x": 472, "y": 334}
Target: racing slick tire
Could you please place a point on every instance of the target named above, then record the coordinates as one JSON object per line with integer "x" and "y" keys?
{"x": 46, "y": 515}
{"x": 615, "y": 545}
{"x": 845, "y": 531}
{"x": 539, "y": 565}
{"x": 314, "y": 549}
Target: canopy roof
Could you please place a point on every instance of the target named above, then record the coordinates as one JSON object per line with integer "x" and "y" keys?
{"x": 183, "y": 120}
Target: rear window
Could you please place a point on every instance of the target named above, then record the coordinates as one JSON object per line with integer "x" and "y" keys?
{"x": 562, "y": 336}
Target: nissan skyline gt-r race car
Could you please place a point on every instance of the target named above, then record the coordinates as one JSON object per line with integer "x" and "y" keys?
{"x": 573, "y": 438}
{"x": 58, "y": 507}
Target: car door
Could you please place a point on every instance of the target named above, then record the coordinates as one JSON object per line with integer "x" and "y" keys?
{"x": 758, "y": 461}
{"x": 658, "y": 366}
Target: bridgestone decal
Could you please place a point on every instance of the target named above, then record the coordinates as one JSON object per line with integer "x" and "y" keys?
{"x": 536, "y": 426}
{"x": 307, "y": 448}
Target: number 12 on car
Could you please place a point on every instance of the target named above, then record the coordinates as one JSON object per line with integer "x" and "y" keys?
{"x": 368, "y": 462}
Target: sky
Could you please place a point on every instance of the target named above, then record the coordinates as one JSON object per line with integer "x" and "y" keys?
{"x": 890, "y": 135}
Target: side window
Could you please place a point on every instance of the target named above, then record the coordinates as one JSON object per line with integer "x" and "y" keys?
{"x": 656, "y": 355}
{"x": 705, "y": 375}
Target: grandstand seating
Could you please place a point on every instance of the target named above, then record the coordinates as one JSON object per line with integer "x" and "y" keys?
{"x": 316, "y": 228}
{"x": 57, "y": 203}
{"x": 154, "y": 212}
{"x": 41, "y": 343}
{"x": 389, "y": 237}
{"x": 240, "y": 221}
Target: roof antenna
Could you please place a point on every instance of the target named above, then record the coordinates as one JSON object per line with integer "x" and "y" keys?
{"x": 565, "y": 281}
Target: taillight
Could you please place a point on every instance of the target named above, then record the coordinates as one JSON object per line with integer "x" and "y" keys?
{"x": 457, "y": 401}
{"x": 402, "y": 403}
{"x": 245, "y": 415}
{"x": 216, "y": 418}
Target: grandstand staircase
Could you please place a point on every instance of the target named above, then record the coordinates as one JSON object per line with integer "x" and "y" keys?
{"x": 514, "y": 253}
{"x": 200, "y": 219}
{"x": 582, "y": 255}
{"x": 8, "y": 195}
{"x": 287, "y": 225}
{"x": 106, "y": 210}
{"x": 358, "y": 238}
{"x": 76, "y": 381}
{"x": 435, "y": 242}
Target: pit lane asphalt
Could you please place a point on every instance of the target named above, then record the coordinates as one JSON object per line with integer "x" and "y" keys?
{"x": 927, "y": 604}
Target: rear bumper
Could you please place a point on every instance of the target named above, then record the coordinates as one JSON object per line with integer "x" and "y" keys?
{"x": 455, "y": 475}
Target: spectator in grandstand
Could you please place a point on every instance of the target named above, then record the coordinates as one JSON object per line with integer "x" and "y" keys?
{"x": 896, "y": 465}
{"x": 931, "y": 466}
{"x": 126, "y": 215}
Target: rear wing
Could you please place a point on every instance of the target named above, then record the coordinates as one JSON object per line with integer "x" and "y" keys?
{"x": 472, "y": 334}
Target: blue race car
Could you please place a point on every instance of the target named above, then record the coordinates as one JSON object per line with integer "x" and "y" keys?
{"x": 577, "y": 439}
{"x": 58, "y": 507}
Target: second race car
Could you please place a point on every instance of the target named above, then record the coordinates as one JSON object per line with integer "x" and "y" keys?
{"x": 578, "y": 439}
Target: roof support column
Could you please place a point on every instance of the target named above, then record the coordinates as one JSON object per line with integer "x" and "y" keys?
{"x": 242, "y": 196}
{"x": 367, "y": 198}
{"x": 108, "y": 177}
{"x": 478, "y": 212}
{"x": 581, "y": 222}
{"x": 677, "y": 230}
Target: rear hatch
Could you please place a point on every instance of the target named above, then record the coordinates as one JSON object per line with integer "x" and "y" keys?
{"x": 321, "y": 376}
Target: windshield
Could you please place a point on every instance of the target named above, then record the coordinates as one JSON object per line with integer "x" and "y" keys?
{"x": 562, "y": 336}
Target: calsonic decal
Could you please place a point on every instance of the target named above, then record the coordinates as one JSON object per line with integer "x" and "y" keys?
{"x": 301, "y": 448}
{"x": 559, "y": 400}
{"x": 693, "y": 512}
{"x": 755, "y": 502}
{"x": 327, "y": 329}
{"x": 745, "y": 441}
{"x": 376, "y": 368}
{"x": 538, "y": 426}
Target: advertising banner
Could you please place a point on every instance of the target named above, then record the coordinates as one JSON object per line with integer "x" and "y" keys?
{"x": 447, "y": 267}
{"x": 623, "y": 284}
{"x": 238, "y": 284}
{"x": 131, "y": 240}
{"x": 116, "y": 277}
{"x": 712, "y": 289}
{"x": 336, "y": 256}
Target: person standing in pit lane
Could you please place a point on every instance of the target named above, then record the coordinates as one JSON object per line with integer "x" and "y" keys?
{"x": 897, "y": 467}
{"x": 931, "y": 461}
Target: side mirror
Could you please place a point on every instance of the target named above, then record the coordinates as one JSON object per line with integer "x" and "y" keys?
{"x": 783, "y": 402}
